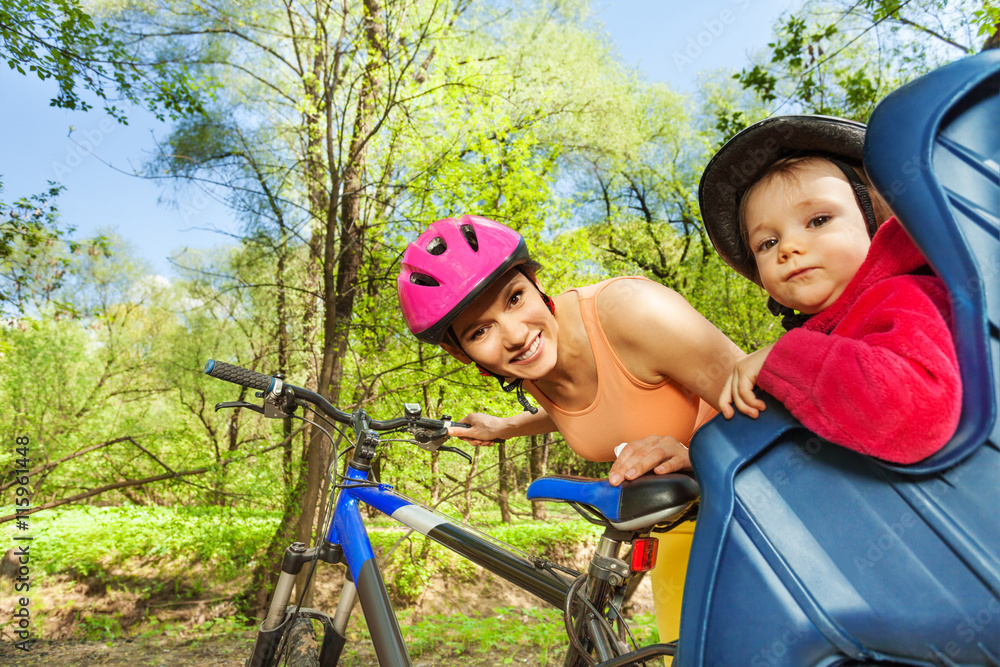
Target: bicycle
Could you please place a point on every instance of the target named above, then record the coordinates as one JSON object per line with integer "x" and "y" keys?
{"x": 591, "y": 602}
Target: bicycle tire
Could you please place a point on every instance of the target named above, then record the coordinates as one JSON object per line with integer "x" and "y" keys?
{"x": 302, "y": 650}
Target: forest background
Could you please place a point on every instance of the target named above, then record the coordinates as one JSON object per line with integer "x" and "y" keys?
{"x": 333, "y": 132}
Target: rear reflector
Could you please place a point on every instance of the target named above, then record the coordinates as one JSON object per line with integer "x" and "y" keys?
{"x": 644, "y": 554}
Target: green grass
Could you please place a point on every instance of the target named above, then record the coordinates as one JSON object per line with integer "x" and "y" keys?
{"x": 115, "y": 541}
{"x": 85, "y": 540}
{"x": 510, "y": 635}
{"x": 507, "y": 631}
{"x": 416, "y": 561}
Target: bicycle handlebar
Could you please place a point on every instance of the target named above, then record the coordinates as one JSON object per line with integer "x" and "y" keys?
{"x": 272, "y": 385}
{"x": 237, "y": 375}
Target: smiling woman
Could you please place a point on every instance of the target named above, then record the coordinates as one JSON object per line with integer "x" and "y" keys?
{"x": 594, "y": 357}
{"x": 626, "y": 360}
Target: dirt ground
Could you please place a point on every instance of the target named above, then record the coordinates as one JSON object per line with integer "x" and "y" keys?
{"x": 227, "y": 651}
{"x": 230, "y": 651}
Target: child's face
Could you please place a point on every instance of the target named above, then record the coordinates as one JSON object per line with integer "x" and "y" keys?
{"x": 807, "y": 234}
{"x": 508, "y": 330}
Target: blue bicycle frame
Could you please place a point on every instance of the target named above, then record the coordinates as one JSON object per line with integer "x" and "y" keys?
{"x": 347, "y": 542}
{"x": 348, "y": 531}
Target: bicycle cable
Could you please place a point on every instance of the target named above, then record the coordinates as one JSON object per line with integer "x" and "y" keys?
{"x": 331, "y": 473}
{"x": 283, "y": 644}
{"x": 568, "y": 621}
{"x": 571, "y": 594}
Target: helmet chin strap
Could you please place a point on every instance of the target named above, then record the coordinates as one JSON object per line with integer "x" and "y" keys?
{"x": 860, "y": 193}
{"x": 514, "y": 385}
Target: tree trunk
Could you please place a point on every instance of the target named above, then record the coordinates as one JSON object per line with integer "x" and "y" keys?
{"x": 322, "y": 204}
{"x": 473, "y": 471}
{"x": 538, "y": 462}
{"x": 504, "y": 492}
{"x": 341, "y": 267}
{"x": 281, "y": 310}
{"x": 254, "y": 598}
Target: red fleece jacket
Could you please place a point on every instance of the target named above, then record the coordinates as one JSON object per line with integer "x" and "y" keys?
{"x": 875, "y": 372}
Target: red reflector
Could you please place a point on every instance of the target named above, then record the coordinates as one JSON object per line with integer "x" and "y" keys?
{"x": 644, "y": 554}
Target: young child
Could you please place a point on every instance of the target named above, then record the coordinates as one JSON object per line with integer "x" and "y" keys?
{"x": 625, "y": 360}
{"x": 868, "y": 361}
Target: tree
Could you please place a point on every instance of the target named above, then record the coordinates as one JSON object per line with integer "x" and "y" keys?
{"x": 319, "y": 88}
{"x": 840, "y": 58}
{"x": 59, "y": 40}
{"x": 33, "y": 260}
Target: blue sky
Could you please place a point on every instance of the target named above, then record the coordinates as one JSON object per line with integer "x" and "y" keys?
{"x": 668, "y": 40}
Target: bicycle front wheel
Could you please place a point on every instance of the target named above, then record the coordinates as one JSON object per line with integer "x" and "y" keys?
{"x": 302, "y": 650}
{"x": 293, "y": 647}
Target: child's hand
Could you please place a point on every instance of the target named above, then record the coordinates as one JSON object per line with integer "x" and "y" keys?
{"x": 739, "y": 389}
{"x": 484, "y": 429}
{"x": 659, "y": 453}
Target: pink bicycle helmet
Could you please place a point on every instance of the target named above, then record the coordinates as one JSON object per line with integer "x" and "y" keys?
{"x": 451, "y": 264}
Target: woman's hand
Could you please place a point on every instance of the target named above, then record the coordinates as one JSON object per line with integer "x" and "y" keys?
{"x": 739, "y": 388}
{"x": 484, "y": 429}
{"x": 659, "y": 453}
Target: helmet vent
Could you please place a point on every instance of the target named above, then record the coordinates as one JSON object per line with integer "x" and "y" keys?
{"x": 423, "y": 280}
{"x": 470, "y": 235}
{"x": 437, "y": 246}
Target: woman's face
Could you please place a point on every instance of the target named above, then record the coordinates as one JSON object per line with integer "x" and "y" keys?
{"x": 508, "y": 330}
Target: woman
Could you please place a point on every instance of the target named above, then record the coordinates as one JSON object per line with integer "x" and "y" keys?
{"x": 626, "y": 360}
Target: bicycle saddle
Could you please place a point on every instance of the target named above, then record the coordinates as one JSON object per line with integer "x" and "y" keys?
{"x": 635, "y": 505}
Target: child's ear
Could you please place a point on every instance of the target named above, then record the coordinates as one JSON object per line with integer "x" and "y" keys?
{"x": 456, "y": 352}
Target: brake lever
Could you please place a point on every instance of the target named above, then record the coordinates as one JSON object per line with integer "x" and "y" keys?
{"x": 239, "y": 404}
{"x": 271, "y": 409}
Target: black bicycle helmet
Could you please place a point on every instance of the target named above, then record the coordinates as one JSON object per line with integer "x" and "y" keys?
{"x": 746, "y": 157}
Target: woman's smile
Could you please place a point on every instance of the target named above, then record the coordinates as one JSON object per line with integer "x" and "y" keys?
{"x": 531, "y": 352}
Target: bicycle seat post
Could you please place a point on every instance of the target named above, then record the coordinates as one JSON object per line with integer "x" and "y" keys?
{"x": 606, "y": 565}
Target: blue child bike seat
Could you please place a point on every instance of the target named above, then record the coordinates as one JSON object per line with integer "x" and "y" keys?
{"x": 807, "y": 553}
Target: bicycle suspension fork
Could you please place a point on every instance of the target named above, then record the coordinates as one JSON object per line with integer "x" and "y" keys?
{"x": 274, "y": 626}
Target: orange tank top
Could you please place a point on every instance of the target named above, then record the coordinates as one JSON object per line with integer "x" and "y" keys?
{"x": 625, "y": 408}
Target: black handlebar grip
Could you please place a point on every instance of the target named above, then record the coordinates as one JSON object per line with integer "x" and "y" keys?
{"x": 241, "y": 376}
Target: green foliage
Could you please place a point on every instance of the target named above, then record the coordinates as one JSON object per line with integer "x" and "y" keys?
{"x": 508, "y": 635}
{"x": 840, "y": 58}
{"x": 540, "y": 630}
{"x": 413, "y": 561}
{"x": 97, "y": 627}
{"x": 89, "y": 540}
{"x": 36, "y": 254}
{"x": 59, "y": 40}
{"x": 987, "y": 18}
{"x": 527, "y": 118}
